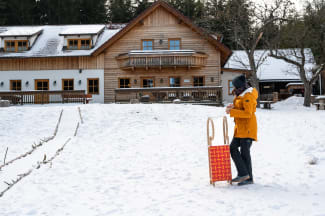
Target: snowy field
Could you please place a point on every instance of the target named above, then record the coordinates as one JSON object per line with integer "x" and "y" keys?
{"x": 152, "y": 160}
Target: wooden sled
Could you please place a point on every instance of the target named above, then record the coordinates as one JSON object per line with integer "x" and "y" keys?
{"x": 219, "y": 156}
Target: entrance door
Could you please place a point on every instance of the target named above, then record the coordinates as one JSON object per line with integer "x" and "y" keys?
{"x": 41, "y": 97}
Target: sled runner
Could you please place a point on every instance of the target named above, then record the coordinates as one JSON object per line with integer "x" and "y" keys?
{"x": 219, "y": 156}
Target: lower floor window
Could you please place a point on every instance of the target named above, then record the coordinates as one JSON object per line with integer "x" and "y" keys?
{"x": 15, "y": 85}
{"x": 124, "y": 83}
{"x": 42, "y": 85}
{"x": 67, "y": 84}
{"x": 148, "y": 82}
{"x": 93, "y": 86}
{"x": 174, "y": 81}
{"x": 198, "y": 81}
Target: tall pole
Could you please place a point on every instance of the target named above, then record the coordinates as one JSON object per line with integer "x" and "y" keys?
{"x": 320, "y": 83}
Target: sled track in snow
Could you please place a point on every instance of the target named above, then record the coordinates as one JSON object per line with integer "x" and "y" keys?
{"x": 54, "y": 142}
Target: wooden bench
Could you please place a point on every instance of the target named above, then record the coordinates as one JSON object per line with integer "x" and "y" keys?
{"x": 75, "y": 98}
{"x": 13, "y": 99}
{"x": 266, "y": 104}
{"x": 320, "y": 103}
{"x": 320, "y": 106}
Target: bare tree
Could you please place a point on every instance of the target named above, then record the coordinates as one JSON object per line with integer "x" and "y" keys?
{"x": 298, "y": 35}
{"x": 307, "y": 69}
{"x": 263, "y": 17}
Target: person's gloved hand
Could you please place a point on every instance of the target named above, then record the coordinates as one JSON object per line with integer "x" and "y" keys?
{"x": 229, "y": 107}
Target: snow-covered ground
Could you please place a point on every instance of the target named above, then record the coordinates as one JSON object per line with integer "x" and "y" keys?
{"x": 152, "y": 160}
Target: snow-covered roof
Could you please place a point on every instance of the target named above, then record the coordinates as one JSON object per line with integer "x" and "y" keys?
{"x": 20, "y": 31}
{"x": 50, "y": 43}
{"x": 321, "y": 97}
{"x": 271, "y": 68}
{"x": 294, "y": 84}
{"x": 86, "y": 30}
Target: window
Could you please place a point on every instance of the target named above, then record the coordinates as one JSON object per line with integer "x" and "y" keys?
{"x": 198, "y": 81}
{"x": 85, "y": 44}
{"x": 79, "y": 44}
{"x": 93, "y": 86}
{"x": 147, "y": 44}
{"x": 16, "y": 46}
{"x": 230, "y": 87}
{"x": 174, "y": 81}
{"x": 73, "y": 44}
{"x": 22, "y": 45}
{"x": 42, "y": 85}
{"x": 148, "y": 82}
{"x": 124, "y": 83}
{"x": 174, "y": 44}
{"x": 15, "y": 85}
{"x": 67, "y": 84}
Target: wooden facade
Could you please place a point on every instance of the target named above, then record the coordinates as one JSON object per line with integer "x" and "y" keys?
{"x": 160, "y": 26}
{"x": 52, "y": 63}
{"x": 200, "y": 56}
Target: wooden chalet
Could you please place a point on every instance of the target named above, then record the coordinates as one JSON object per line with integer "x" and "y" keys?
{"x": 159, "y": 56}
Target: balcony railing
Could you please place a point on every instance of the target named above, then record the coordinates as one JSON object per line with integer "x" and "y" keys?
{"x": 162, "y": 59}
{"x": 45, "y": 97}
{"x": 204, "y": 94}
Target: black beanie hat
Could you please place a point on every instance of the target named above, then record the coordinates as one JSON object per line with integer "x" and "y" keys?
{"x": 239, "y": 81}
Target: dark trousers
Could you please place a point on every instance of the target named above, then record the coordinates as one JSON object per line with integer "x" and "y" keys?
{"x": 242, "y": 158}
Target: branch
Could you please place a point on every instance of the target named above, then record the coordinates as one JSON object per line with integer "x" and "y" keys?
{"x": 272, "y": 54}
{"x": 317, "y": 72}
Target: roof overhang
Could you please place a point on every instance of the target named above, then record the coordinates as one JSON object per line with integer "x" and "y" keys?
{"x": 82, "y": 33}
{"x": 21, "y": 35}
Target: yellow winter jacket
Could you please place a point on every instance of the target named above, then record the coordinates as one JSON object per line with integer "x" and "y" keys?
{"x": 244, "y": 114}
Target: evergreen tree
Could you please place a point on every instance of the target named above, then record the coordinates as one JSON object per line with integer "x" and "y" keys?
{"x": 314, "y": 18}
{"x": 120, "y": 11}
{"x": 2, "y": 12}
{"x": 92, "y": 12}
{"x": 19, "y": 12}
{"x": 193, "y": 9}
{"x": 141, "y": 5}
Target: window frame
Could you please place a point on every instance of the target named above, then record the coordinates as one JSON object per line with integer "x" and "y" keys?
{"x": 143, "y": 40}
{"x": 153, "y": 81}
{"x": 68, "y": 85}
{"x": 174, "y": 39}
{"x": 42, "y": 80}
{"x": 11, "y": 85}
{"x": 180, "y": 81}
{"x": 96, "y": 93}
{"x": 16, "y": 42}
{"x": 124, "y": 78}
{"x": 203, "y": 83}
{"x": 230, "y": 91}
{"x": 78, "y": 43}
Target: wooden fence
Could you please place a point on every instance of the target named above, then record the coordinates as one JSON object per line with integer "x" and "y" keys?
{"x": 45, "y": 97}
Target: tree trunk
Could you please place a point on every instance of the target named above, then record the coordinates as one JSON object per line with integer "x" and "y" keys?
{"x": 307, "y": 94}
{"x": 255, "y": 84}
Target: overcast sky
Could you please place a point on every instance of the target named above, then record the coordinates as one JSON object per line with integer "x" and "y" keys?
{"x": 299, "y": 3}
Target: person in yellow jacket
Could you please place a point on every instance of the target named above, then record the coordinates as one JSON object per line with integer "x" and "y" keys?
{"x": 243, "y": 110}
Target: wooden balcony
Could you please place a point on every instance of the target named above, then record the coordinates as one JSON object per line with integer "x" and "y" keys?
{"x": 198, "y": 95}
{"x": 162, "y": 59}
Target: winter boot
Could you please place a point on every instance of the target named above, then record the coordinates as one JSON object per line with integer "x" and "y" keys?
{"x": 240, "y": 178}
{"x": 246, "y": 182}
